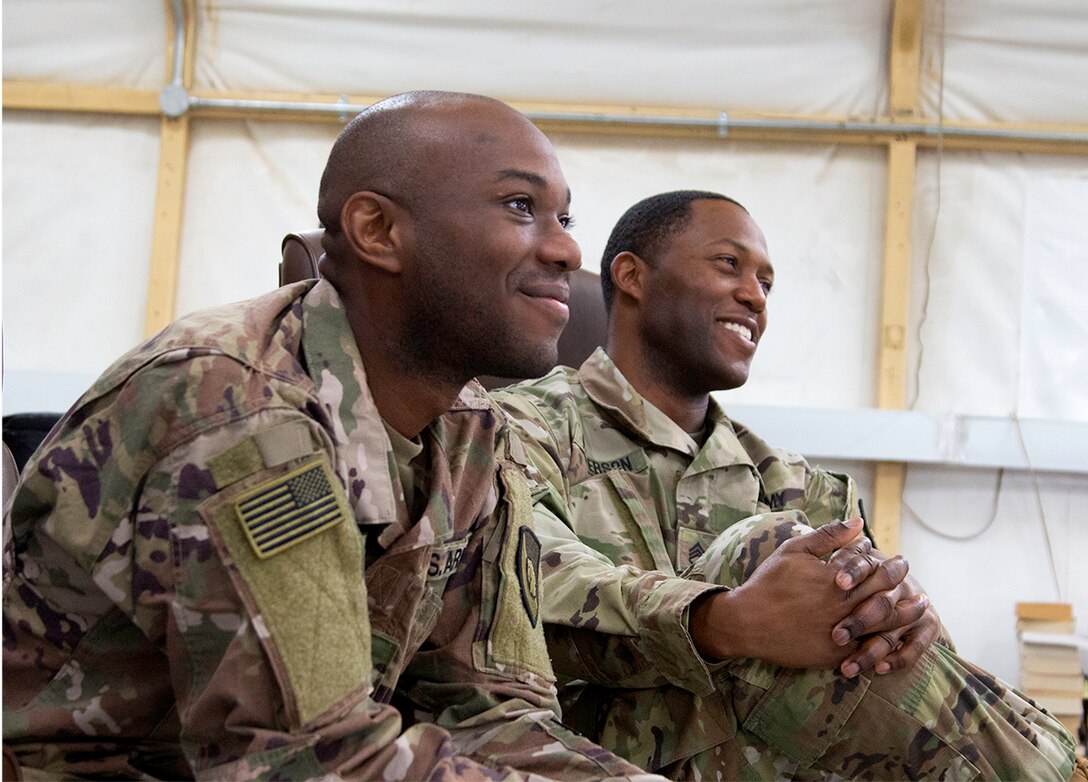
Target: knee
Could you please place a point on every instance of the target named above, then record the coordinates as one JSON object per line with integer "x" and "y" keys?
{"x": 739, "y": 550}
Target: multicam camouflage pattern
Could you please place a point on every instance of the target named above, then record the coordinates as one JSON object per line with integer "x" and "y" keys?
{"x": 147, "y": 636}
{"x": 636, "y": 520}
{"x": 945, "y": 718}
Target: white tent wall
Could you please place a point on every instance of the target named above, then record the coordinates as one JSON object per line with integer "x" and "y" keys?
{"x": 997, "y": 326}
{"x": 79, "y": 197}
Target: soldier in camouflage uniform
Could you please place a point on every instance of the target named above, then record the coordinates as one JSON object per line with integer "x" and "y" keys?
{"x": 282, "y": 539}
{"x": 651, "y": 500}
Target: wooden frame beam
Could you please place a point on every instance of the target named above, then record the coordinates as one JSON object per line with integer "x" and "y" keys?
{"x": 81, "y": 98}
{"x": 44, "y": 96}
{"x": 905, "y": 61}
{"x": 170, "y": 194}
{"x": 892, "y": 362}
{"x": 905, "y": 57}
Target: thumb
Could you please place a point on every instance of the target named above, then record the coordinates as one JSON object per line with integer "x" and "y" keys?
{"x": 830, "y": 537}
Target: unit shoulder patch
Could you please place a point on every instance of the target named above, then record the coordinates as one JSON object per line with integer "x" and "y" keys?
{"x": 290, "y": 508}
{"x": 528, "y": 564}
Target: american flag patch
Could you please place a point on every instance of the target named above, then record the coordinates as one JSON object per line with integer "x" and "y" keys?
{"x": 289, "y": 509}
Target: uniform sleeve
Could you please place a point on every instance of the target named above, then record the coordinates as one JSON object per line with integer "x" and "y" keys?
{"x": 830, "y": 497}
{"x": 150, "y": 613}
{"x": 613, "y": 625}
{"x": 267, "y": 639}
{"x": 483, "y": 673}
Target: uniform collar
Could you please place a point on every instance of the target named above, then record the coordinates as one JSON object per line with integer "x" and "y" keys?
{"x": 722, "y": 447}
{"x": 472, "y": 397}
{"x": 609, "y": 389}
{"x": 361, "y": 442}
{"x": 606, "y": 385}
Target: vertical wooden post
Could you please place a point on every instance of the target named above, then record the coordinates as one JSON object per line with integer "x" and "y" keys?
{"x": 895, "y": 299}
{"x": 903, "y": 74}
{"x": 170, "y": 193}
{"x": 905, "y": 59}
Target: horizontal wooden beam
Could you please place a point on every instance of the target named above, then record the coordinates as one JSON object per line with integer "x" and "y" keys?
{"x": 79, "y": 98}
{"x": 581, "y": 119}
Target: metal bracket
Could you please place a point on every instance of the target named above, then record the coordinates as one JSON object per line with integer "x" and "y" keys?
{"x": 174, "y": 100}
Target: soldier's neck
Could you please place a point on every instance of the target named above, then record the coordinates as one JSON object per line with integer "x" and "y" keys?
{"x": 686, "y": 410}
{"x": 408, "y": 398}
{"x": 408, "y": 403}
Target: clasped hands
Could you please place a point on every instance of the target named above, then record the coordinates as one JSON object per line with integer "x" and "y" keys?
{"x": 857, "y": 609}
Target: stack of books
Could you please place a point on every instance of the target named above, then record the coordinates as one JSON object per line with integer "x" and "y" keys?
{"x": 1050, "y": 668}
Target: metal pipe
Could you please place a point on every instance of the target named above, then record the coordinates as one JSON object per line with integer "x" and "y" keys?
{"x": 174, "y": 99}
{"x": 306, "y": 107}
{"x": 179, "y": 42}
{"x": 723, "y": 124}
{"x": 173, "y": 106}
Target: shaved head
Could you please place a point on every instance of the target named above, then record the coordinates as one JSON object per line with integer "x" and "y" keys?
{"x": 446, "y": 220}
{"x": 387, "y": 148}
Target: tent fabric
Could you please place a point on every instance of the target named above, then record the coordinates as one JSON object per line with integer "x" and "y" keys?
{"x": 699, "y": 53}
{"x": 1005, "y": 60}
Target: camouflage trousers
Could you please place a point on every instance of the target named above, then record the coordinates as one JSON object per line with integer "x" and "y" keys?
{"x": 942, "y": 719}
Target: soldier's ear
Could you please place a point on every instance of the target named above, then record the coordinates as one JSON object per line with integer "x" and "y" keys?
{"x": 629, "y": 274}
{"x": 371, "y": 224}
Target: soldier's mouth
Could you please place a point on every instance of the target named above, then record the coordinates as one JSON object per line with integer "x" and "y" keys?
{"x": 744, "y": 331}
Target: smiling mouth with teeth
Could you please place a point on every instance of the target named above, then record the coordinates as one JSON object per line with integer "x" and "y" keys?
{"x": 744, "y": 331}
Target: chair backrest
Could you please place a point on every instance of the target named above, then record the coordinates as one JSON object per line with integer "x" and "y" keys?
{"x": 10, "y": 477}
{"x": 586, "y": 330}
{"x": 24, "y": 432}
{"x": 301, "y": 252}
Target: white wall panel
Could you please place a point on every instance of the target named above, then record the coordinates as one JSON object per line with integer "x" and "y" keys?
{"x": 975, "y": 582}
{"x": 79, "y": 196}
{"x": 1006, "y": 60}
{"x": 1054, "y": 315}
{"x": 971, "y": 232}
{"x": 789, "y": 55}
{"x": 115, "y": 42}
{"x": 249, "y": 184}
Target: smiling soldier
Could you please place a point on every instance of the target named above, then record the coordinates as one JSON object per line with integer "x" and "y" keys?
{"x": 652, "y": 502}
{"x": 288, "y": 538}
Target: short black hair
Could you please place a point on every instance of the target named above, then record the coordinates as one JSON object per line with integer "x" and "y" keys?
{"x": 645, "y": 226}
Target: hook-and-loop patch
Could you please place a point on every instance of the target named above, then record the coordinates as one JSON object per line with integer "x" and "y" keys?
{"x": 289, "y": 509}
{"x": 528, "y": 565}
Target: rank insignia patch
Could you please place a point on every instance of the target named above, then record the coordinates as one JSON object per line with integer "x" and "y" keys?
{"x": 529, "y": 572}
{"x": 289, "y": 509}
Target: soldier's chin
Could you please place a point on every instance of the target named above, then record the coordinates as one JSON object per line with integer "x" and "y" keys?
{"x": 527, "y": 362}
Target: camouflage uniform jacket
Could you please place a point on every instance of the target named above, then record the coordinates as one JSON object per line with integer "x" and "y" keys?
{"x": 188, "y": 591}
{"x": 628, "y": 502}
{"x": 623, "y": 485}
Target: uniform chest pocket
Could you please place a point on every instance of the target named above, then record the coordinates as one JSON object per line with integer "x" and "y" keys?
{"x": 403, "y": 608}
{"x": 612, "y": 513}
{"x": 690, "y": 545}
